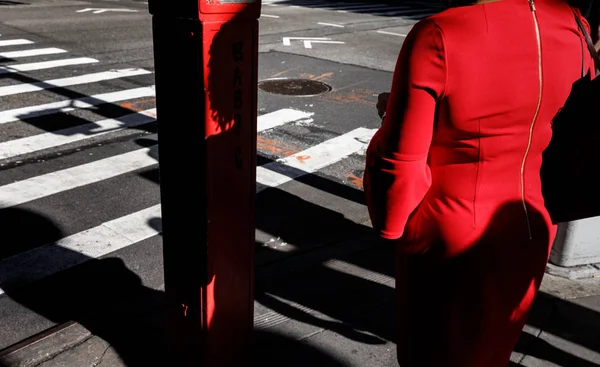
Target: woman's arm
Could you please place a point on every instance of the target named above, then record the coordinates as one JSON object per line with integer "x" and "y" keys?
{"x": 397, "y": 176}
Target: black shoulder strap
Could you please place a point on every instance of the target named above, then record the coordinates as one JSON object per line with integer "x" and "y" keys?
{"x": 589, "y": 42}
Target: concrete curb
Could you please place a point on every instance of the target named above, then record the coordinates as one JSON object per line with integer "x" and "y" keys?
{"x": 45, "y": 346}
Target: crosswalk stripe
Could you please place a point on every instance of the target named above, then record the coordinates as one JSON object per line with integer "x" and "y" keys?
{"x": 281, "y": 117}
{"x": 16, "y": 42}
{"x": 46, "y": 65}
{"x": 30, "y": 144}
{"x": 272, "y": 174}
{"x": 73, "y": 104}
{"x": 30, "y": 53}
{"x": 71, "y": 81}
{"x": 311, "y": 160}
{"x": 70, "y": 251}
{"x": 38, "y": 187}
{"x": 128, "y": 230}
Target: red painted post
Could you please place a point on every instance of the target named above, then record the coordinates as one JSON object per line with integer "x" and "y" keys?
{"x": 206, "y": 55}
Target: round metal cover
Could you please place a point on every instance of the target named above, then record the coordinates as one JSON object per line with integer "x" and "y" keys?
{"x": 294, "y": 87}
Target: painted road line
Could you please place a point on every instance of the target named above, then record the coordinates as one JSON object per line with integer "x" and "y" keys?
{"x": 392, "y": 33}
{"x": 73, "y": 104}
{"x": 16, "y": 42}
{"x": 331, "y": 24}
{"x": 281, "y": 117}
{"x": 313, "y": 159}
{"x": 71, "y": 81}
{"x": 76, "y": 249}
{"x": 269, "y": 16}
{"x": 30, "y": 53}
{"x": 38, "y": 187}
{"x": 104, "y": 10}
{"x": 35, "y": 143}
{"x": 126, "y": 231}
{"x": 46, "y": 65}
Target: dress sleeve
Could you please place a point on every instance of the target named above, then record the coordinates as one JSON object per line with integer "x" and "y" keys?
{"x": 397, "y": 176}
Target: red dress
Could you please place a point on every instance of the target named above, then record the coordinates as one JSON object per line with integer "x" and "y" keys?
{"x": 453, "y": 174}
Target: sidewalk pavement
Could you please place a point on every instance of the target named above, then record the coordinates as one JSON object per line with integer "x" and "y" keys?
{"x": 334, "y": 306}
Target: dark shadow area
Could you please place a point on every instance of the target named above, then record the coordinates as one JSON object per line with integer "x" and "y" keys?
{"x": 344, "y": 303}
{"x": 102, "y": 295}
{"x": 318, "y": 182}
{"x": 412, "y": 10}
{"x": 29, "y": 229}
{"x": 7, "y": 2}
{"x": 565, "y": 320}
{"x": 111, "y": 302}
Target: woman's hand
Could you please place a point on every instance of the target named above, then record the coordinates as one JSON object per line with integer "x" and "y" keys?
{"x": 382, "y": 101}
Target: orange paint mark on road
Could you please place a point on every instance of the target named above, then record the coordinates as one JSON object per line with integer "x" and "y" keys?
{"x": 320, "y": 78}
{"x": 133, "y": 105}
{"x": 362, "y": 96}
{"x": 356, "y": 181}
{"x": 275, "y": 147}
{"x": 303, "y": 158}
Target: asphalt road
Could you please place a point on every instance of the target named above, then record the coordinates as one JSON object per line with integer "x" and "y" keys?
{"x": 79, "y": 195}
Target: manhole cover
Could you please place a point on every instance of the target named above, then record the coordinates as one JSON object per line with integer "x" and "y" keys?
{"x": 294, "y": 87}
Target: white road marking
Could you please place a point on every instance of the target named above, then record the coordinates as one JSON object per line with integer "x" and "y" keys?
{"x": 76, "y": 249}
{"x": 17, "y": 42}
{"x": 392, "y": 33}
{"x": 131, "y": 229}
{"x": 101, "y": 10}
{"x": 30, "y": 144}
{"x": 308, "y": 44}
{"x": 313, "y": 159}
{"x": 308, "y": 41}
{"x": 73, "y": 104}
{"x": 122, "y": 232}
{"x": 35, "y": 143}
{"x": 66, "y": 82}
{"x": 281, "y": 117}
{"x": 331, "y": 24}
{"x": 46, "y": 65}
{"x": 38, "y": 187}
{"x": 30, "y": 53}
{"x": 269, "y": 16}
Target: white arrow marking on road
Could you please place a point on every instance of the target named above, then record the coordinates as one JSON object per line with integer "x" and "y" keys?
{"x": 100, "y": 10}
{"x": 308, "y": 41}
{"x": 308, "y": 44}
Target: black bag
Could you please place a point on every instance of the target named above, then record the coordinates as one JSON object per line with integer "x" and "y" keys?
{"x": 570, "y": 183}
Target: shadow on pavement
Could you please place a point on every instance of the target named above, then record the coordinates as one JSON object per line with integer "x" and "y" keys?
{"x": 110, "y": 301}
{"x": 58, "y": 121}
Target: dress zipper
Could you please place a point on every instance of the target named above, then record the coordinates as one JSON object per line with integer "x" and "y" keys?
{"x": 535, "y": 116}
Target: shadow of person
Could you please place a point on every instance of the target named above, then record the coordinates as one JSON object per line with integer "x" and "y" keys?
{"x": 103, "y": 295}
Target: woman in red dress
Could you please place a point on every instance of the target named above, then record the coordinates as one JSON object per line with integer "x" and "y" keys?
{"x": 453, "y": 175}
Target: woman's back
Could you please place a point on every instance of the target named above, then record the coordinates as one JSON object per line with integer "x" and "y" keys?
{"x": 454, "y": 173}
